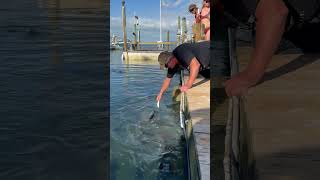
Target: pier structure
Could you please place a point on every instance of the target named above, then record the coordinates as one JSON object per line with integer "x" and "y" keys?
{"x": 272, "y": 132}
{"x": 198, "y": 128}
{"x": 136, "y": 52}
{"x": 281, "y": 118}
{"x": 196, "y": 103}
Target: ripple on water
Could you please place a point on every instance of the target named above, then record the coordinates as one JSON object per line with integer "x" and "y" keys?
{"x": 53, "y": 90}
{"x": 141, "y": 147}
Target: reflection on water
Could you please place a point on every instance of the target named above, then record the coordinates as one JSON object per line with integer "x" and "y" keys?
{"x": 53, "y": 92}
{"x": 143, "y": 147}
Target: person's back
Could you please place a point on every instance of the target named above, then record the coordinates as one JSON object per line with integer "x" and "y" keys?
{"x": 205, "y": 18}
{"x": 197, "y": 26}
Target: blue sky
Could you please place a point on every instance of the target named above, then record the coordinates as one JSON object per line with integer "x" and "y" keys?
{"x": 149, "y": 13}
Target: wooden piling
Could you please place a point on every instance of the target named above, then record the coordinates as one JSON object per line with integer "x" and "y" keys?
{"x": 135, "y": 36}
{"x": 183, "y": 30}
{"x": 124, "y": 29}
{"x": 139, "y": 40}
{"x": 179, "y": 32}
{"x": 198, "y": 32}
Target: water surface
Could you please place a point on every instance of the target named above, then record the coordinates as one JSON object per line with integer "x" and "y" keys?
{"x": 53, "y": 90}
{"x": 142, "y": 148}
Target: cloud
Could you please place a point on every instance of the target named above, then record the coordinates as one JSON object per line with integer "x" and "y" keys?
{"x": 177, "y": 3}
{"x": 145, "y": 23}
{"x": 150, "y": 26}
{"x": 171, "y": 3}
{"x": 165, "y": 4}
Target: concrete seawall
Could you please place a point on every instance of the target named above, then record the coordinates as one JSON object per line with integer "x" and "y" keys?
{"x": 198, "y": 98}
{"x": 141, "y": 57}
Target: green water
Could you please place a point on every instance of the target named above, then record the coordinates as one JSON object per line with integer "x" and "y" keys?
{"x": 142, "y": 148}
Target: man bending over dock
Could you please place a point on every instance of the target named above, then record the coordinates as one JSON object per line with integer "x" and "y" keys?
{"x": 192, "y": 56}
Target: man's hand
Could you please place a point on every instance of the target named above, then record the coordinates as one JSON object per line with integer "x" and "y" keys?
{"x": 164, "y": 87}
{"x": 184, "y": 88}
{"x": 159, "y": 97}
{"x": 239, "y": 84}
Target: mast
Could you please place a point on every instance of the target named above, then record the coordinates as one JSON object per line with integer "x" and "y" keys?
{"x": 160, "y": 21}
{"x": 124, "y": 26}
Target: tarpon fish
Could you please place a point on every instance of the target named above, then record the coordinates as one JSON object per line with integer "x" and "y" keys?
{"x": 167, "y": 166}
{"x": 152, "y": 114}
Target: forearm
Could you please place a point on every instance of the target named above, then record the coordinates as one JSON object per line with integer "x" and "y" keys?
{"x": 165, "y": 85}
{"x": 269, "y": 30}
{"x": 194, "y": 70}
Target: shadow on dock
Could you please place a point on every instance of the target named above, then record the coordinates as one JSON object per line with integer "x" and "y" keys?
{"x": 282, "y": 165}
{"x": 293, "y": 65}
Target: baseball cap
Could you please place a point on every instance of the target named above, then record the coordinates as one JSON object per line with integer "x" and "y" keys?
{"x": 192, "y": 7}
{"x": 163, "y": 58}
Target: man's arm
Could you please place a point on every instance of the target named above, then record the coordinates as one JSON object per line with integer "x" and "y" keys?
{"x": 194, "y": 70}
{"x": 164, "y": 87}
{"x": 271, "y": 19}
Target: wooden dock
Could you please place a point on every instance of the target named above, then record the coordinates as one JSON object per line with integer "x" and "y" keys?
{"x": 283, "y": 118}
{"x": 199, "y": 108}
{"x": 141, "y": 57}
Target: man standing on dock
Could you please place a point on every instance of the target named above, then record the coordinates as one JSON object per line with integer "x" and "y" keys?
{"x": 274, "y": 18}
{"x": 194, "y": 56}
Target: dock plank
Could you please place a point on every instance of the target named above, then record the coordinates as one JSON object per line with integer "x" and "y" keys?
{"x": 284, "y": 118}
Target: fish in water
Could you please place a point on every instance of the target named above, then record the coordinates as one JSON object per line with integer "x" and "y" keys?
{"x": 167, "y": 166}
{"x": 152, "y": 114}
{"x": 117, "y": 71}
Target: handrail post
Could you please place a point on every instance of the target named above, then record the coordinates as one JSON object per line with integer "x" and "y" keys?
{"x": 168, "y": 40}
{"x": 139, "y": 39}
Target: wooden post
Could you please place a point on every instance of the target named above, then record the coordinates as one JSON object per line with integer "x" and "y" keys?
{"x": 202, "y": 34}
{"x": 183, "y": 30}
{"x": 198, "y": 32}
{"x": 168, "y": 40}
{"x": 135, "y": 36}
{"x": 124, "y": 28}
{"x": 139, "y": 40}
{"x": 179, "y": 31}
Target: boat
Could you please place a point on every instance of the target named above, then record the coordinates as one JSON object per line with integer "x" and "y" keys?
{"x": 117, "y": 43}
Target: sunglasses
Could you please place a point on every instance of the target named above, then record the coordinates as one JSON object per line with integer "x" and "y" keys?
{"x": 191, "y": 10}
